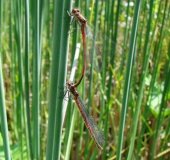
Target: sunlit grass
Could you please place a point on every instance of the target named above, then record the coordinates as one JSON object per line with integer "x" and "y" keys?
{"x": 130, "y": 105}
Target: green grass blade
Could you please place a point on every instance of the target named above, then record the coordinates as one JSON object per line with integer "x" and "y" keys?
{"x": 59, "y": 59}
{"x": 36, "y": 82}
{"x": 27, "y": 84}
{"x": 162, "y": 107}
{"x": 128, "y": 77}
{"x": 3, "y": 117}
{"x": 167, "y": 72}
{"x": 142, "y": 83}
{"x": 19, "y": 83}
{"x": 3, "y": 114}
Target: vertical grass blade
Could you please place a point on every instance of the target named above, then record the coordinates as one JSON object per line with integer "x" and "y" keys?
{"x": 56, "y": 53}
{"x": 59, "y": 63}
{"x": 27, "y": 84}
{"x": 142, "y": 82}
{"x": 162, "y": 107}
{"x": 64, "y": 39}
{"x": 165, "y": 99}
{"x": 19, "y": 84}
{"x": 3, "y": 117}
{"x": 3, "y": 114}
{"x": 4, "y": 125}
{"x": 128, "y": 77}
{"x": 36, "y": 82}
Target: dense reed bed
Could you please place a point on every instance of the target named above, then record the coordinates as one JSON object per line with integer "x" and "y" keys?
{"x": 126, "y": 86}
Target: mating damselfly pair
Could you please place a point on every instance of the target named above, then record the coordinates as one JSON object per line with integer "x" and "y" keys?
{"x": 103, "y": 54}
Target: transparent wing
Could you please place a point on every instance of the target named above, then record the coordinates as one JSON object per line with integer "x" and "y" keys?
{"x": 106, "y": 61}
{"x": 105, "y": 49}
{"x": 94, "y": 130}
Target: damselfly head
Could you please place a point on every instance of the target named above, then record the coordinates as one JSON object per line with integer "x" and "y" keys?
{"x": 75, "y": 10}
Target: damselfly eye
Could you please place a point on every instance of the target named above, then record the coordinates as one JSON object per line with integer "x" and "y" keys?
{"x": 74, "y": 10}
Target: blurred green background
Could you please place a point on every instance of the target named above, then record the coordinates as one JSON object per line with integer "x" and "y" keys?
{"x": 129, "y": 97}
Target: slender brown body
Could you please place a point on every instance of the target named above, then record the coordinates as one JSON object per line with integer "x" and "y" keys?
{"x": 83, "y": 23}
{"x": 91, "y": 125}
